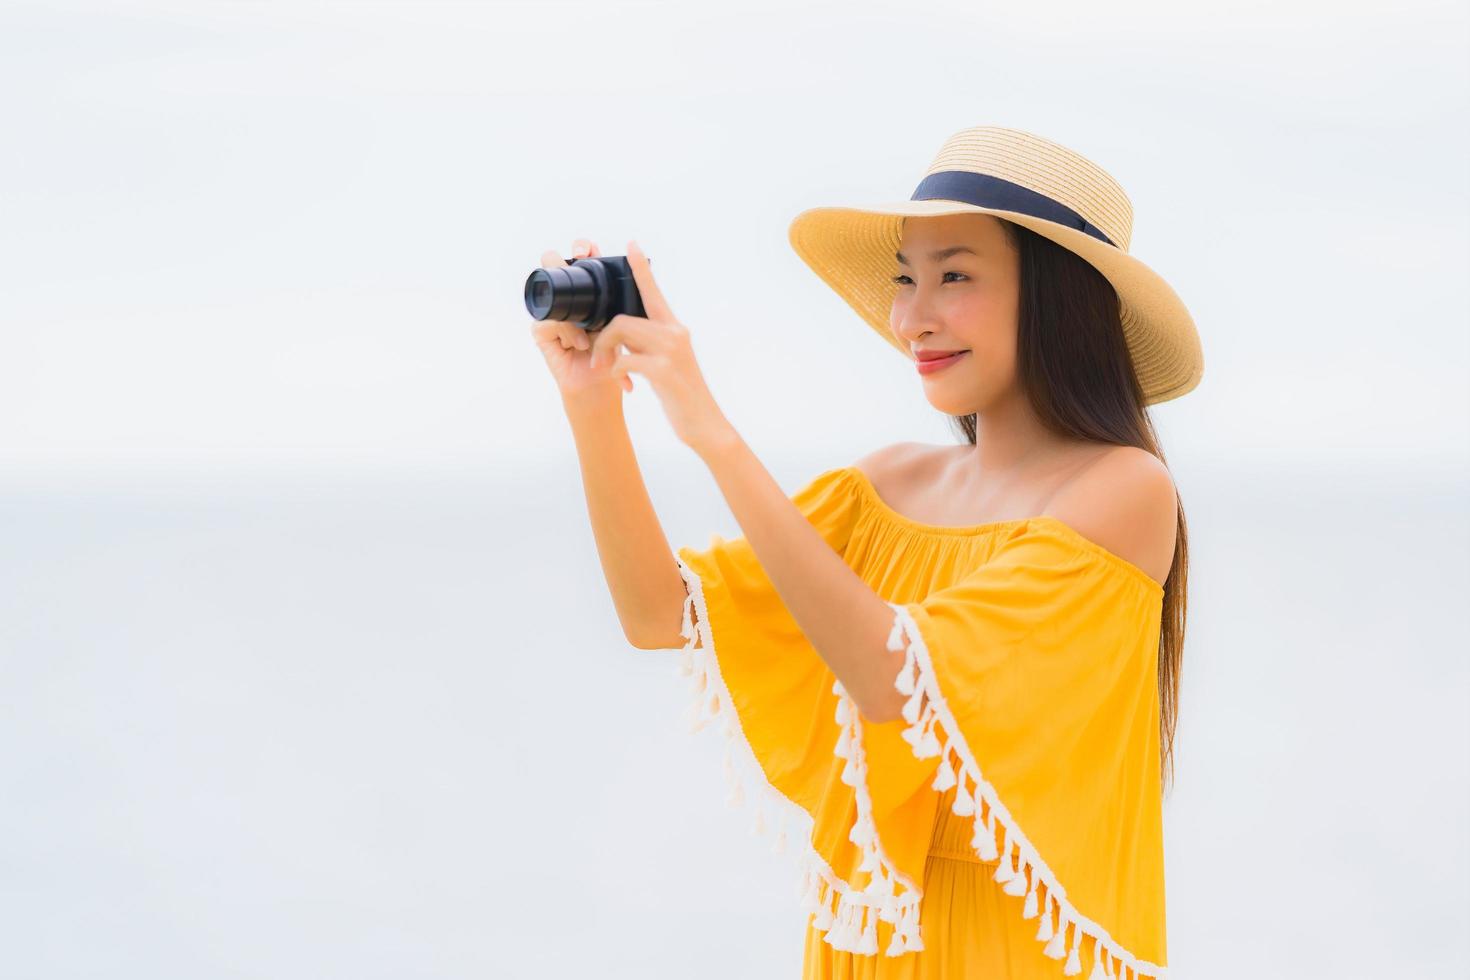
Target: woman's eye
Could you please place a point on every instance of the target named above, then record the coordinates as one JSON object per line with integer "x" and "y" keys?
{"x": 899, "y": 279}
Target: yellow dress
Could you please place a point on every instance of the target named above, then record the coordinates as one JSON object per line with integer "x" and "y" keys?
{"x": 1010, "y": 824}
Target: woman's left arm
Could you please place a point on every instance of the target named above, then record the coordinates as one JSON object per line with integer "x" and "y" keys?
{"x": 845, "y": 621}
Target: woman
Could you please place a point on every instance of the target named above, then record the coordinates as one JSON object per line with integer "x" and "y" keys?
{"x": 953, "y": 669}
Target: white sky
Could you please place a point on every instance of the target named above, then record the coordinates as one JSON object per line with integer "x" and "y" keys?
{"x": 251, "y": 233}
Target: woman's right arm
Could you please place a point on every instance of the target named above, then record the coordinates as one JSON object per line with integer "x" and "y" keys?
{"x": 641, "y": 571}
{"x": 647, "y": 589}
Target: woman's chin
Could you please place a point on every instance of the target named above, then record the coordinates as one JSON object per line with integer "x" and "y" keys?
{"x": 949, "y": 405}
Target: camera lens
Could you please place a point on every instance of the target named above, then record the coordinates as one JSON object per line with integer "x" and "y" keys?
{"x": 574, "y": 292}
{"x": 541, "y": 294}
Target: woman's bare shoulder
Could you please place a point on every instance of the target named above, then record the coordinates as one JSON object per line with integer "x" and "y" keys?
{"x": 902, "y": 462}
{"x": 1127, "y": 503}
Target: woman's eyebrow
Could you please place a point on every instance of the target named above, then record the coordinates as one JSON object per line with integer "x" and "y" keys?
{"x": 940, "y": 255}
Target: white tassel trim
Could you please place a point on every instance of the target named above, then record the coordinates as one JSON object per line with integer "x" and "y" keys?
{"x": 847, "y": 917}
{"x": 926, "y": 709}
{"x": 893, "y": 897}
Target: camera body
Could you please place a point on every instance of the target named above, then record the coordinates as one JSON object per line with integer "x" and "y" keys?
{"x": 587, "y": 292}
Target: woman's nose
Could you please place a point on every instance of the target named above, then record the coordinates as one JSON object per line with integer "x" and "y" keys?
{"x": 915, "y": 322}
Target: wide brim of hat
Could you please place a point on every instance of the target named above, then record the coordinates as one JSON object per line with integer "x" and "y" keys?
{"x": 851, "y": 250}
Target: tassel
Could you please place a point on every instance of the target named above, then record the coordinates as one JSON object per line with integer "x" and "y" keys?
{"x": 736, "y": 797}
{"x": 839, "y": 925}
{"x": 906, "y": 932}
{"x": 984, "y": 838}
{"x": 1057, "y": 948}
{"x": 850, "y": 929}
{"x": 1099, "y": 969}
{"x": 906, "y": 681}
{"x": 841, "y": 749}
{"x": 1029, "y": 912}
{"x": 964, "y": 804}
{"x": 1003, "y": 871}
{"x": 1044, "y": 931}
{"x": 983, "y": 841}
{"x": 687, "y": 630}
{"x": 928, "y": 747}
{"x": 834, "y": 935}
{"x": 869, "y": 945}
{"x": 946, "y": 777}
{"x": 1017, "y": 885}
{"x": 823, "y": 921}
{"x": 811, "y": 886}
{"x": 911, "y": 707}
{"x": 916, "y": 939}
{"x": 895, "y": 635}
{"x": 842, "y": 714}
{"x": 1074, "y": 962}
{"x": 838, "y": 689}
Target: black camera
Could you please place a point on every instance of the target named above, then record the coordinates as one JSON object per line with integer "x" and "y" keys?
{"x": 589, "y": 292}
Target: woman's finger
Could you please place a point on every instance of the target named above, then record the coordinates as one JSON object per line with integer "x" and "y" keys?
{"x": 630, "y": 362}
{"x": 572, "y": 336}
{"x": 546, "y": 331}
{"x": 633, "y": 331}
{"x": 559, "y": 332}
{"x": 654, "y": 304}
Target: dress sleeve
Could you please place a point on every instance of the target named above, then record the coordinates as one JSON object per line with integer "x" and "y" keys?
{"x": 753, "y": 670}
{"x": 755, "y": 675}
{"x": 733, "y": 579}
{"x": 1033, "y": 693}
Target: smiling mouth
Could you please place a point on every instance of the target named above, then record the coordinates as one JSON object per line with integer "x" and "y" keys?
{"x": 938, "y": 363}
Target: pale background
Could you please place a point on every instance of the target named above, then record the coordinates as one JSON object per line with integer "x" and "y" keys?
{"x": 308, "y": 666}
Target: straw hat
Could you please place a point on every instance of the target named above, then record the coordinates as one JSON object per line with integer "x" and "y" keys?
{"x": 1031, "y": 181}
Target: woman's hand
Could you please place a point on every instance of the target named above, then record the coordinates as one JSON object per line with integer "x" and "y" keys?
{"x": 660, "y": 350}
{"x": 566, "y": 346}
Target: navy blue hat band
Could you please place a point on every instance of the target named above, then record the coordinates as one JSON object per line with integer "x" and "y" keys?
{"x": 986, "y": 191}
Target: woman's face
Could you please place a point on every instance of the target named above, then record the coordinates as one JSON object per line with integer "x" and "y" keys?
{"x": 967, "y": 301}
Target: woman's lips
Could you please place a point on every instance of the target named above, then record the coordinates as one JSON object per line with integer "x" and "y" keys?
{"x": 939, "y": 364}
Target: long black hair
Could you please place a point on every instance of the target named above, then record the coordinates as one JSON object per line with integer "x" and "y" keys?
{"x": 1075, "y": 368}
